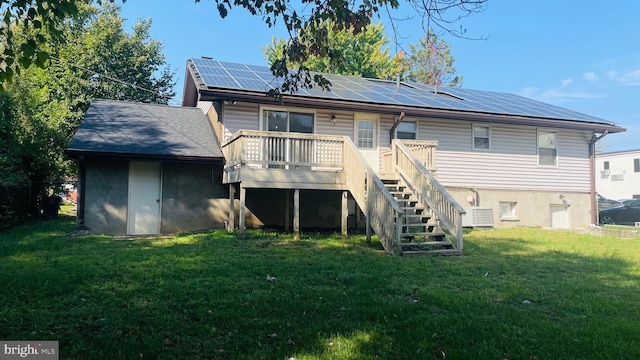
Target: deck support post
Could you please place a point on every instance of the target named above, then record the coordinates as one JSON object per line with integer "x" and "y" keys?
{"x": 232, "y": 208}
{"x": 296, "y": 214}
{"x": 345, "y": 215}
{"x": 287, "y": 210}
{"x": 242, "y": 220}
{"x": 367, "y": 222}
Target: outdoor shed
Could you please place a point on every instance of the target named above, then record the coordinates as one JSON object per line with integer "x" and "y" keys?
{"x": 148, "y": 169}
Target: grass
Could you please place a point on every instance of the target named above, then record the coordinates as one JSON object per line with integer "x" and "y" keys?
{"x": 515, "y": 294}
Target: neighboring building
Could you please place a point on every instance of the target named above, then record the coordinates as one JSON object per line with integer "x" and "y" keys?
{"x": 405, "y": 160}
{"x": 618, "y": 174}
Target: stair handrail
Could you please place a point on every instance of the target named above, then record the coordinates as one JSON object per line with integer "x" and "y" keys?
{"x": 383, "y": 212}
{"x": 429, "y": 190}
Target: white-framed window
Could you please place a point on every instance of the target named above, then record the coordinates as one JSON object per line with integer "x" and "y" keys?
{"x": 287, "y": 121}
{"x": 366, "y": 134}
{"x": 481, "y": 137}
{"x": 547, "y": 148}
{"x": 508, "y": 209}
{"x": 407, "y": 130}
{"x": 636, "y": 165}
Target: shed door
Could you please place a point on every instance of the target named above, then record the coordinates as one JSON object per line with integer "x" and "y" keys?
{"x": 144, "y": 198}
{"x": 560, "y": 217}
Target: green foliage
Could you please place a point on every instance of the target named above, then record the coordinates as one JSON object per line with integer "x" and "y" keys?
{"x": 92, "y": 57}
{"x": 430, "y": 62}
{"x": 365, "y": 54}
{"x": 310, "y": 37}
{"x": 304, "y": 20}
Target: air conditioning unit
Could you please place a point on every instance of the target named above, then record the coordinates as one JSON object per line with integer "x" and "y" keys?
{"x": 478, "y": 217}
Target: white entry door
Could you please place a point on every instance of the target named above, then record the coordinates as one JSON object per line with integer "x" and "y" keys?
{"x": 366, "y": 135}
{"x": 144, "y": 198}
{"x": 560, "y": 217}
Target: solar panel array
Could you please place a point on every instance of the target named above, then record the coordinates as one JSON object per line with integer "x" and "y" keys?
{"x": 228, "y": 75}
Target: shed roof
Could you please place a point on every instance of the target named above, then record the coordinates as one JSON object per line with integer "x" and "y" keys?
{"x": 129, "y": 129}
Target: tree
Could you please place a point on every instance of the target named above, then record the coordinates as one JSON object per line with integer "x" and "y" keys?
{"x": 364, "y": 54}
{"x": 95, "y": 58}
{"x": 303, "y": 20}
{"x": 430, "y": 62}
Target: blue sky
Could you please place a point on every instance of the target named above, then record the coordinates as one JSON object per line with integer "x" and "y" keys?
{"x": 582, "y": 55}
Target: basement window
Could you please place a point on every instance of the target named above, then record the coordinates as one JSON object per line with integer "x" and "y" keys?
{"x": 508, "y": 210}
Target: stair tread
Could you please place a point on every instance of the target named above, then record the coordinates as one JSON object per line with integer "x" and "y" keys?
{"x": 426, "y": 233}
{"x": 429, "y": 243}
{"x": 438, "y": 252}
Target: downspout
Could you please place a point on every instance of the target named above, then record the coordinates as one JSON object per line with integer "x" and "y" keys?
{"x": 395, "y": 125}
{"x": 592, "y": 173}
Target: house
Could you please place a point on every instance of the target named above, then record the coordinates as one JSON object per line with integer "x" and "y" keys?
{"x": 618, "y": 174}
{"x": 524, "y": 162}
{"x": 412, "y": 163}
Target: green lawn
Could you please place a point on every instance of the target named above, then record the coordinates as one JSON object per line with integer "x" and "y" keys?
{"x": 515, "y": 294}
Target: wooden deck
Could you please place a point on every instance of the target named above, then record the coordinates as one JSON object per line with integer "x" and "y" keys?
{"x": 262, "y": 159}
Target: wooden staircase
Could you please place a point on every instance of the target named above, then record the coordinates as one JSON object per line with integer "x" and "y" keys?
{"x": 421, "y": 233}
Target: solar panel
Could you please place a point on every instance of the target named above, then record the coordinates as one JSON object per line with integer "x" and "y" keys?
{"x": 236, "y": 76}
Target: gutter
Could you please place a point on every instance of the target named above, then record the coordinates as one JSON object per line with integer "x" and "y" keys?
{"x": 592, "y": 173}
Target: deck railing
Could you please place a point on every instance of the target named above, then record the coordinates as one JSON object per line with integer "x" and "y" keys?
{"x": 268, "y": 149}
{"x": 429, "y": 190}
{"x": 382, "y": 211}
{"x": 423, "y": 150}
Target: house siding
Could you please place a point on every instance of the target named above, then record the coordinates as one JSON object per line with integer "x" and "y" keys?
{"x": 512, "y": 160}
{"x": 241, "y": 116}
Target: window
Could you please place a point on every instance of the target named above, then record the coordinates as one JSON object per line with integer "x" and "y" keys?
{"x": 406, "y": 130}
{"x": 481, "y": 137}
{"x": 547, "y": 148}
{"x": 606, "y": 165}
{"x": 366, "y": 134}
{"x": 636, "y": 165}
{"x": 507, "y": 210}
{"x": 286, "y": 121}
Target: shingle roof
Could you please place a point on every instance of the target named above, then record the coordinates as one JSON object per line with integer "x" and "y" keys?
{"x": 118, "y": 128}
